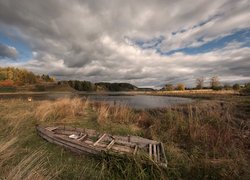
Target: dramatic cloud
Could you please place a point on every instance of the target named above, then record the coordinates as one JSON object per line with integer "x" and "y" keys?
{"x": 8, "y": 51}
{"x": 148, "y": 43}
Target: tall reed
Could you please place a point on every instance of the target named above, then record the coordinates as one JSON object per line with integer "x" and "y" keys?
{"x": 60, "y": 109}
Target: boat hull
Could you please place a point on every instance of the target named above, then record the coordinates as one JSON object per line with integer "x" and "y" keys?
{"x": 87, "y": 141}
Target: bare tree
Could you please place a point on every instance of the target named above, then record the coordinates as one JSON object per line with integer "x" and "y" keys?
{"x": 214, "y": 82}
{"x": 200, "y": 82}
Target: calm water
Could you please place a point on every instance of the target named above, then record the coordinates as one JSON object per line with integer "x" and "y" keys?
{"x": 142, "y": 101}
{"x": 136, "y": 101}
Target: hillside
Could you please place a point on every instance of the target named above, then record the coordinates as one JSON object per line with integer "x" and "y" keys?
{"x": 17, "y": 79}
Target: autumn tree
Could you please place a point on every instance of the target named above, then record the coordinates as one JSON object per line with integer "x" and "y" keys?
{"x": 180, "y": 87}
{"x": 21, "y": 76}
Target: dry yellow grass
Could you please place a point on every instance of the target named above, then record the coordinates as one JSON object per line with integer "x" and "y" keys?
{"x": 32, "y": 167}
{"x": 202, "y": 140}
{"x": 117, "y": 114}
{"x": 60, "y": 109}
{"x": 103, "y": 112}
{"x": 202, "y": 91}
{"x": 6, "y": 150}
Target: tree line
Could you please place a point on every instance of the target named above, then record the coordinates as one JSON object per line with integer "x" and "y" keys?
{"x": 100, "y": 86}
{"x": 214, "y": 82}
{"x": 10, "y": 76}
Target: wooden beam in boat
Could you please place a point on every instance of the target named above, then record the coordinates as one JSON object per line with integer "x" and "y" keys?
{"x": 83, "y": 137}
{"x": 100, "y": 139}
{"x": 155, "y": 154}
{"x": 135, "y": 151}
{"x": 150, "y": 151}
{"x": 111, "y": 144}
{"x": 51, "y": 128}
{"x": 163, "y": 152}
{"x": 158, "y": 153}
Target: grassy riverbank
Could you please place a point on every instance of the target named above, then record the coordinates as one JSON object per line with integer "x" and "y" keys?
{"x": 203, "y": 140}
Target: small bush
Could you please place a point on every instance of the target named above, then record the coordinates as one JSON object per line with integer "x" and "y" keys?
{"x": 7, "y": 89}
{"x": 236, "y": 87}
{"x": 7, "y": 83}
{"x": 40, "y": 88}
{"x": 246, "y": 89}
{"x": 217, "y": 88}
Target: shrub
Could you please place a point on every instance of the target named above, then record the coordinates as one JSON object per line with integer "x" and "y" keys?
{"x": 7, "y": 89}
{"x": 217, "y": 88}
{"x": 180, "y": 87}
{"x": 227, "y": 87}
{"x": 246, "y": 89}
{"x": 40, "y": 88}
{"x": 236, "y": 87}
{"x": 7, "y": 83}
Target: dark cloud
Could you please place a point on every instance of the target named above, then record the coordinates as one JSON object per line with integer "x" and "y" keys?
{"x": 92, "y": 39}
{"x": 8, "y": 52}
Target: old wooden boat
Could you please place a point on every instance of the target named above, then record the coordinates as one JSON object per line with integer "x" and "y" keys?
{"x": 90, "y": 141}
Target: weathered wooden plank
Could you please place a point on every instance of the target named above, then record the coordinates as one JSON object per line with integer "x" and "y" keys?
{"x": 100, "y": 139}
{"x": 119, "y": 141}
{"x": 158, "y": 153}
{"x": 141, "y": 142}
{"x": 51, "y": 128}
{"x": 79, "y": 148}
{"x": 90, "y": 132}
{"x": 135, "y": 150}
{"x": 163, "y": 152}
{"x": 111, "y": 144}
{"x": 64, "y": 132}
{"x": 83, "y": 137}
{"x": 150, "y": 151}
{"x": 122, "y": 149}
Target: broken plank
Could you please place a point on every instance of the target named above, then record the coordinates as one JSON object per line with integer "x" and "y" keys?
{"x": 100, "y": 139}
{"x": 111, "y": 144}
{"x": 150, "y": 151}
{"x": 136, "y": 149}
{"x": 158, "y": 153}
{"x": 163, "y": 152}
{"x": 51, "y": 128}
{"x": 83, "y": 137}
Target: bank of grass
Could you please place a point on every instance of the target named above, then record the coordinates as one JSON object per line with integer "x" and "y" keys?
{"x": 198, "y": 94}
{"x": 206, "y": 140}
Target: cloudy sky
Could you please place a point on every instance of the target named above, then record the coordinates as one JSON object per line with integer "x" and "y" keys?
{"x": 144, "y": 42}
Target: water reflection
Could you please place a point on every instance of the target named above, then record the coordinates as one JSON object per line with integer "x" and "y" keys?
{"x": 141, "y": 101}
{"x": 137, "y": 101}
